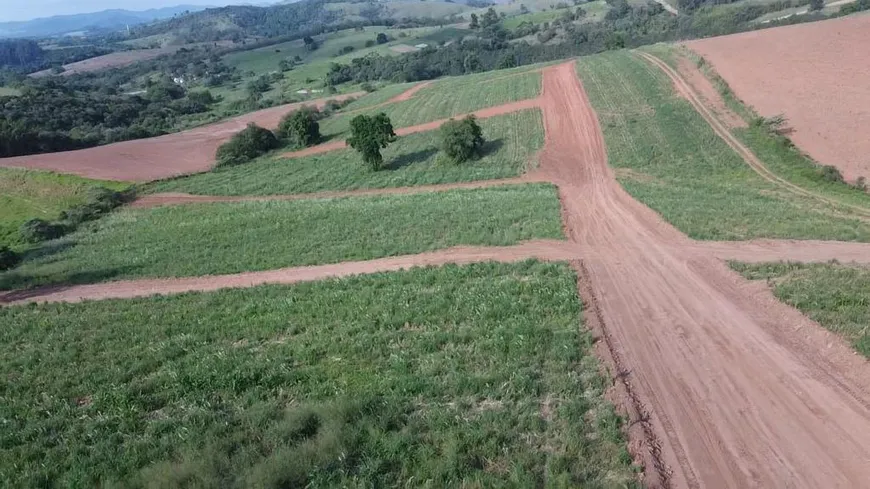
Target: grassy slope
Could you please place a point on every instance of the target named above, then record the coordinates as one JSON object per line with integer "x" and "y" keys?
{"x": 512, "y": 139}
{"x": 781, "y": 157}
{"x": 835, "y": 296}
{"x": 475, "y": 376}
{"x": 449, "y": 97}
{"x": 29, "y": 194}
{"x": 228, "y": 238}
{"x": 9, "y": 92}
{"x": 679, "y": 167}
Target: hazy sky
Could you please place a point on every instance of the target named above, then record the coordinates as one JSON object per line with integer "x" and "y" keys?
{"x": 31, "y": 9}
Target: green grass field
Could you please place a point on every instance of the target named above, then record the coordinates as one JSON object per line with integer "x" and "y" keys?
{"x": 9, "y": 92}
{"x": 449, "y": 97}
{"x": 513, "y": 139}
{"x": 667, "y": 157}
{"x": 29, "y": 194}
{"x": 474, "y": 376}
{"x": 836, "y": 296}
{"x": 203, "y": 239}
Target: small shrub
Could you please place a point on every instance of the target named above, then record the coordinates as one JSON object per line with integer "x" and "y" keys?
{"x": 246, "y": 145}
{"x": 8, "y": 258}
{"x": 36, "y": 230}
{"x": 300, "y": 127}
{"x": 368, "y": 87}
{"x": 462, "y": 140}
{"x": 832, "y": 174}
{"x": 861, "y": 184}
{"x": 370, "y": 43}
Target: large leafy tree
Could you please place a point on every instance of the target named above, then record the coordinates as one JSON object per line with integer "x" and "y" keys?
{"x": 246, "y": 145}
{"x": 300, "y": 127}
{"x": 462, "y": 140}
{"x": 370, "y": 134}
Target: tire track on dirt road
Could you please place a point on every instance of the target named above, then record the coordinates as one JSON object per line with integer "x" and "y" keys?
{"x": 683, "y": 87}
{"x": 738, "y": 389}
{"x": 550, "y": 250}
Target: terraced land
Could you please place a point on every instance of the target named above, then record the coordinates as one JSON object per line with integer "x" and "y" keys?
{"x": 368, "y": 381}
{"x": 668, "y": 157}
{"x": 512, "y": 141}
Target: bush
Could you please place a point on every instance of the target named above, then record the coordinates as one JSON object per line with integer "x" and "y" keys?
{"x": 381, "y": 38}
{"x": 832, "y": 174}
{"x": 861, "y": 184}
{"x": 370, "y": 43}
{"x": 462, "y": 140}
{"x": 36, "y": 230}
{"x": 369, "y": 135}
{"x": 8, "y": 258}
{"x": 368, "y": 87}
{"x": 246, "y": 145}
{"x": 300, "y": 127}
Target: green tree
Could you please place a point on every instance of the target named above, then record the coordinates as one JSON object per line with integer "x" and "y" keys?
{"x": 369, "y": 135}
{"x": 246, "y": 145}
{"x": 8, "y": 258}
{"x": 474, "y": 24}
{"x": 300, "y": 127}
{"x": 462, "y": 140}
{"x": 489, "y": 18}
{"x": 382, "y": 38}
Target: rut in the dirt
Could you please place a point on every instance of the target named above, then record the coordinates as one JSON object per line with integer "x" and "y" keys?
{"x": 742, "y": 391}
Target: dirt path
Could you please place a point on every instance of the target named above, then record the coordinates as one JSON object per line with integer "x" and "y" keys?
{"x": 734, "y": 388}
{"x": 553, "y": 250}
{"x": 756, "y": 164}
{"x": 156, "y": 200}
{"x": 143, "y": 160}
{"x": 407, "y": 94}
{"x": 774, "y": 250}
{"x": 428, "y": 126}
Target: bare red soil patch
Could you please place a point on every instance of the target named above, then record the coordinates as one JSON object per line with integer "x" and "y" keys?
{"x": 711, "y": 96}
{"x": 166, "y": 156}
{"x": 816, "y": 74}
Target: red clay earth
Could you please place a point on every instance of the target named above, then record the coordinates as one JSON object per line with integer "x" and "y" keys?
{"x": 816, "y": 74}
{"x": 166, "y": 156}
{"x": 724, "y": 385}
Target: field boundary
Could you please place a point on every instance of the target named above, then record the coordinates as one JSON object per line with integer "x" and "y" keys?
{"x": 748, "y": 156}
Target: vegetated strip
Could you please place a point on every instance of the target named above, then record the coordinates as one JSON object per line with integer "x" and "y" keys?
{"x": 224, "y": 238}
{"x": 179, "y": 198}
{"x": 427, "y": 126}
{"x": 748, "y": 156}
{"x": 548, "y": 250}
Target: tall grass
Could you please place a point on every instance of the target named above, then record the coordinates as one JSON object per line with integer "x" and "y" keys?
{"x": 476, "y": 376}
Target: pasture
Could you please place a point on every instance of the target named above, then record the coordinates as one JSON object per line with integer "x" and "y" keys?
{"x": 513, "y": 139}
{"x": 205, "y": 239}
{"x": 368, "y": 381}
{"x": 666, "y": 156}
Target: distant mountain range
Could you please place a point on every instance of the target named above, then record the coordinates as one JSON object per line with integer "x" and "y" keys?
{"x": 107, "y": 20}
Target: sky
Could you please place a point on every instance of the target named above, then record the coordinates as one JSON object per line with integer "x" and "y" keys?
{"x": 11, "y": 10}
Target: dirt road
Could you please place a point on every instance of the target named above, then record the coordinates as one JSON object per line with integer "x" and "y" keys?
{"x": 553, "y": 250}
{"x": 740, "y": 390}
{"x": 166, "y": 156}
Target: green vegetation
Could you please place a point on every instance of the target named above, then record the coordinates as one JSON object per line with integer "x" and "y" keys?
{"x": 513, "y": 139}
{"x": 834, "y": 295}
{"x": 300, "y": 127}
{"x": 247, "y": 144}
{"x": 30, "y": 194}
{"x": 451, "y": 97}
{"x": 369, "y": 135}
{"x": 461, "y": 376}
{"x": 191, "y": 240}
{"x": 462, "y": 140}
{"x": 9, "y": 92}
{"x": 669, "y": 158}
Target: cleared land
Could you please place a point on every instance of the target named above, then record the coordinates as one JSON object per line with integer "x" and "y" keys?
{"x": 834, "y": 295}
{"x": 368, "y": 381}
{"x": 669, "y": 158}
{"x": 9, "y": 92}
{"x": 512, "y": 140}
{"x": 814, "y": 75}
{"x": 112, "y": 60}
{"x": 29, "y": 194}
{"x": 166, "y": 156}
{"x": 229, "y": 238}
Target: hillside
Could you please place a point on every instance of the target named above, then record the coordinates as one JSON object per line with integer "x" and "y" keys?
{"x": 106, "y": 20}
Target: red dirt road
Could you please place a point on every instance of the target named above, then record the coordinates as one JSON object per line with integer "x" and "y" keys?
{"x": 816, "y": 74}
{"x": 739, "y": 389}
{"x": 166, "y": 156}
{"x": 541, "y": 249}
